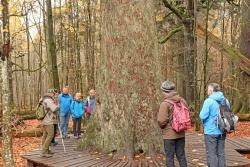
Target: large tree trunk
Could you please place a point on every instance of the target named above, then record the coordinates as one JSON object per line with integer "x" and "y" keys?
{"x": 245, "y": 50}
{"x": 7, "y": 102}
{"x": 51, "y": 47}
{"x": 128, "y": 79}
{"x": 245, "y": 29}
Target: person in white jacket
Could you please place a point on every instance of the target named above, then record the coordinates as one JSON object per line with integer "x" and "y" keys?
{"x": 50, "y": 107}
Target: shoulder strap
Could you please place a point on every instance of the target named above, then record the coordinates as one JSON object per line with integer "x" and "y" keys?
{"x": 46, "y": 111}
{"x": 88, "y": 99}
{"x": 169, "y": 101}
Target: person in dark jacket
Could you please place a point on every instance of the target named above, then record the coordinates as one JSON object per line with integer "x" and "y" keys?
{"x": 53, "y": 141}
{"x": 77, "y": 111}
{"x": 174, "y": 143}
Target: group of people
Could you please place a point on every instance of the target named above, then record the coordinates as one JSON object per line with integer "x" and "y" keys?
{"x": 58, "y": 109}
{"x": 174, "y": 143}
{"x": 63, "y": 105}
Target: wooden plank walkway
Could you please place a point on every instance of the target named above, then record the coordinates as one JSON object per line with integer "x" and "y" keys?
{"x": 195, "y": 153}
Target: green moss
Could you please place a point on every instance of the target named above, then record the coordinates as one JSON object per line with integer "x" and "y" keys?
{"x": 91, "y": 135}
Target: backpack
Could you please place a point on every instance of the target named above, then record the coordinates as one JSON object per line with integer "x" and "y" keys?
{"x": 181, "y": 119}
{"x": 40, "y": 111}
{"x": 226, "y": 120}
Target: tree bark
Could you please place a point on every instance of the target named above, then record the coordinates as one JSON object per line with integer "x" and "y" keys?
{"x": 79, "y": 83}
{"x": 245, "y": 50}
{"x": 51, "y": 47}
{"x": 6, "y": 76}
{"x": 190, "y": 53}
{"x": 245, "y": 29}
{"x": 89, "y": 53}
{"x": 128, "y": 80}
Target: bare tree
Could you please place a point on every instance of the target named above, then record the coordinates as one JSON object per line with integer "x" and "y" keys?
{"x": 51, "y": 47}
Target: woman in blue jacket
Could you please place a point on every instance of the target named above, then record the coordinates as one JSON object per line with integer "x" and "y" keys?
{"x": 77, "y": 111}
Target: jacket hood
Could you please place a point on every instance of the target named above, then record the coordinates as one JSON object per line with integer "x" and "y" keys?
{"x": 173, "y": 96}
{"x": 218, "y": 96}
{"x": 47, "y": 97}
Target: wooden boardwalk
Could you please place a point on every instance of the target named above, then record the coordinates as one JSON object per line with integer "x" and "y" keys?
{"x": 195, "y": 153}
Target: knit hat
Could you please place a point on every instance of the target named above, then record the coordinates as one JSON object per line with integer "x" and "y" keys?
{"x": 167, "y": 86}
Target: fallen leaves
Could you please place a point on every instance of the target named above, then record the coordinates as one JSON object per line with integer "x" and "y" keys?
{"x": 243, "y": 130}
{"x": 21, "y": 146}
{"x": 24, "y": 144}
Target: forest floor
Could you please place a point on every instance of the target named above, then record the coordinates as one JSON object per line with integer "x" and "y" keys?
{"x": 25, "y": 144}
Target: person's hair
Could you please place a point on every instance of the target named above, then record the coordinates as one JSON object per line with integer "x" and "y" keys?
{"x": 78, "y": 94}
{"x": 91, "y": 90}
{"x": 215, "y": 86}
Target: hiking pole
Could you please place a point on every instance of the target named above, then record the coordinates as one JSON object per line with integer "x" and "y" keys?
{"x": 60, "y": 131}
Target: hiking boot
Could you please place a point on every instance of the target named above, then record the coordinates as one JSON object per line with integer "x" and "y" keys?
{"x": 54, "y": 143}
{"x": 51, "y": 153}
{"x": 66, "y": 137}
{"x": 46, "y": 155}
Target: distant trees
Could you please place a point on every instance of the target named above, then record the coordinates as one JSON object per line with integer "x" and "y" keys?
{"x": 187, "y": 24}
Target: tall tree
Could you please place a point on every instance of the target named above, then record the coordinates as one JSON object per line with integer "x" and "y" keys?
{"x": 89, "y": 41}
{"x": 51, "y": 47}
{"x": 128, "y": 79}
{"x": 245, "y": 29}
{"x": 6, "y": 74}
{"x": 245, "y": 50}
{"x": 187, "y": 19}
{"x": 190, "y": 53}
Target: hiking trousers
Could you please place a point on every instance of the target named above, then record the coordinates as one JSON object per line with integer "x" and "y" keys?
{"x": 77, "y": 126}
{"x": 55, "y": 131}
{"x": 172, "y": 147}
{"x": 48, "y": 133}
{"x": 215, "y": 149}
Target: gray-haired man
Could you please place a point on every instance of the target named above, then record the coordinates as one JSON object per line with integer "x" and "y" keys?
{"x": 48, "y": 102}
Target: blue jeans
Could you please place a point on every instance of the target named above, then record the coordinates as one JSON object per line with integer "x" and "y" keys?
{"x": 64, "y": 121}
{"x": 172, "y": 147}
{"x": 215, "y": 148}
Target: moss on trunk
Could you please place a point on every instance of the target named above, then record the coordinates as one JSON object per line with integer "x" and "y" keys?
{"x": 128, "y": 81}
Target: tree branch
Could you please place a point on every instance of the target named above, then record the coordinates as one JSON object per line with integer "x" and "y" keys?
{"x": 242, "y": 61}
{"x": 231, "y": 2}
{"x": 26, "y": 70}
{"x": 173, "y": 9}
{"x": 170, "y": 34}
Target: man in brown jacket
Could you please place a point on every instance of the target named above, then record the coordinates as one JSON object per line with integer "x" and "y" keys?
{"x": 51, "y": 109}
{"x": 174, "y": 143}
